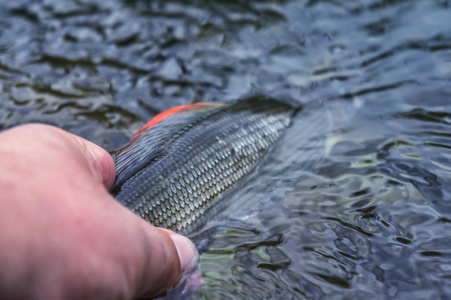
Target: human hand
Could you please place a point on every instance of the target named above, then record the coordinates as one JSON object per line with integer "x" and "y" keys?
{"x": 63, "y": 236}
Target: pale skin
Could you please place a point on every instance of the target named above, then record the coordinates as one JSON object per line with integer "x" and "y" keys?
{"x": 62, "y": 236}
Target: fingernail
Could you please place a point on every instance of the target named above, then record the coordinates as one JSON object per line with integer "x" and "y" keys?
{"x": 186, "y": 251}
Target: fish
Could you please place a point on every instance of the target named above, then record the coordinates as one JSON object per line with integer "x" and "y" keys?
{"x": 176, "y": 171}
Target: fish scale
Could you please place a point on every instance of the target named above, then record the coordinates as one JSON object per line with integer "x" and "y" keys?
{"x": 188, "y": 172}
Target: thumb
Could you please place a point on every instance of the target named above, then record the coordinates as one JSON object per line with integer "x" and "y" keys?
{"x": 170, "y": 258}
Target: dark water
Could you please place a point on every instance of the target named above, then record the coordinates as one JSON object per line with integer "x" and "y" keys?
{"x": 355, "y": 200}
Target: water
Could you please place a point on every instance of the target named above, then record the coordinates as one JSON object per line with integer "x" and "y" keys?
{"x": 353, "y": 202}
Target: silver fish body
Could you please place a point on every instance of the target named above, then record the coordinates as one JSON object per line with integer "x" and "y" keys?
{"x": 176, "y": 170}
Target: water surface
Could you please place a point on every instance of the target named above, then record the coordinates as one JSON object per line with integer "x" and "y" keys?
{"x": 354, "y": 201}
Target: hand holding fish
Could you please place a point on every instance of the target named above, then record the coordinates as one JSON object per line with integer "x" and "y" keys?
{"x": 63, "y": 236}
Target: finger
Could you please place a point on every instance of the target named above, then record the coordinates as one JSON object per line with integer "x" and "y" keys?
{"x": 168, "y": 257}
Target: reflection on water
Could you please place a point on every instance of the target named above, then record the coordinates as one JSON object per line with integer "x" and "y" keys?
{"x": 353, "y": 202}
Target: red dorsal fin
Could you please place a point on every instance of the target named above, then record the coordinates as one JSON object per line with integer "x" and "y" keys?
{"x": 178, "y": 111}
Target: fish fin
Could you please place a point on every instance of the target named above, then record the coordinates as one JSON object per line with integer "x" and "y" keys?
{"x": 153, "y": 139}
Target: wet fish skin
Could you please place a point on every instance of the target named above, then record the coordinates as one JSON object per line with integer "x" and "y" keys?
{"x": 175, "y": 173}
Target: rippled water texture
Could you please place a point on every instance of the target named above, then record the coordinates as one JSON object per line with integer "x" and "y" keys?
{"x": 354, "y": 201}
